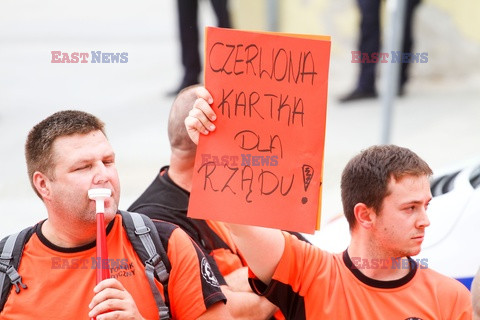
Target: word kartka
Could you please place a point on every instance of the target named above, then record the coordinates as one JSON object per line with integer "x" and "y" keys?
{"x": 270, "y": 97}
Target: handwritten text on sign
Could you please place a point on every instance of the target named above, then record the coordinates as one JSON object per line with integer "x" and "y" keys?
{"x": 263, "y": 164}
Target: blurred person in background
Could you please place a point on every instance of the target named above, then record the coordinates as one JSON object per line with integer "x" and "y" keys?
{"x": 369, "y": 43}
{"x": 190, "y": 37}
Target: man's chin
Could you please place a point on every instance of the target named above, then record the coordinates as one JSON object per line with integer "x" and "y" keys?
{"x": 110, "y": 213}
{"x": 415, "y": 251}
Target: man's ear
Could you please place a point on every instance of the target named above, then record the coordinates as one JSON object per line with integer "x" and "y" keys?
{"x": 42, "y": 184}
{"x": 364, "y": 215}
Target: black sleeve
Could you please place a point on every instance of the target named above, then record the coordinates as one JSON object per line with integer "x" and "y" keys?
{"x": 165, "y": 229}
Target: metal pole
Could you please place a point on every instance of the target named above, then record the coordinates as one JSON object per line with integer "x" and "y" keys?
{"x": 272, "y": 15}
{"x": 392, "y": 45}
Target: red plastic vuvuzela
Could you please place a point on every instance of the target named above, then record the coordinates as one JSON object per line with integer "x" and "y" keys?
{"x": 103, "y": 271}
{"x": 99, "y": 195}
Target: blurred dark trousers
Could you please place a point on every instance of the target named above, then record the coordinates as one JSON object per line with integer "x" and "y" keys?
{"x": 189, "y": 34}
{"x": 370, "y": 40}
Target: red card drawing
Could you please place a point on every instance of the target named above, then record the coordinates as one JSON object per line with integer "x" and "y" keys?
{"x": 263, "y": 165}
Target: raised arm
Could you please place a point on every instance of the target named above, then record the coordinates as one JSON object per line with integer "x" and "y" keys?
{"x": 261, "y": 247}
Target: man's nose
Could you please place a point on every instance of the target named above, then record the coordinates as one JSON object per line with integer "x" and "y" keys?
{"x": 101, "y": 175}
{"x": 423, "y": 220}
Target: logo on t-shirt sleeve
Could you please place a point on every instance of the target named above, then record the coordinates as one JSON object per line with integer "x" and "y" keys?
{"x": 207, "y": 273}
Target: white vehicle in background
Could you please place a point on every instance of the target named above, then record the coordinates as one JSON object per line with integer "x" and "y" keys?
{"x": 451, "y": 240}
{"x": 454, "y": 213}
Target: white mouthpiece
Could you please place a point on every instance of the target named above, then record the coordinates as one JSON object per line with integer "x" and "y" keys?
{"x": 99, "y": 195}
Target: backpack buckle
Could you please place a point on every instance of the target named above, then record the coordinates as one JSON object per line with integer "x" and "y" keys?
{"x": 154, "y": 260}
{"x": 3, "y": 267}
{"x": 15, "y": 279}
{"x": 142, "y": 230}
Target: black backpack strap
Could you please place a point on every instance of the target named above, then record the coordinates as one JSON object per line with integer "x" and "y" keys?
{"x": 11, "y": 248}
{"x": 144, "y": 237}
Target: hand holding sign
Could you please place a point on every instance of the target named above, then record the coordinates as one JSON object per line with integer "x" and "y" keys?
{"x": 201, "y": 116}
{"x": 262, "y": 164}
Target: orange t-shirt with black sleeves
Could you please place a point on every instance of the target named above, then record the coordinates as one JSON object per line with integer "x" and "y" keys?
{"x": 60, "y": 281}
{"x": 309, "y": 283}
{"x": 165, "y": 200}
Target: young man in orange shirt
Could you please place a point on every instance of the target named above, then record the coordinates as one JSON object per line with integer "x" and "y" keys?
{"x": 385, "y": 195}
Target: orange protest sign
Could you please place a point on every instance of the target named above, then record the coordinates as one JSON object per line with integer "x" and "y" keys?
{"x": 263, "y": 165}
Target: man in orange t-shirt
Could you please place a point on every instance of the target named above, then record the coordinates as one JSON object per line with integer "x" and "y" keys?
{"x": 385, "y": 195}
{"x": 67, "y": 154}
{"x": 167, "y": 197}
